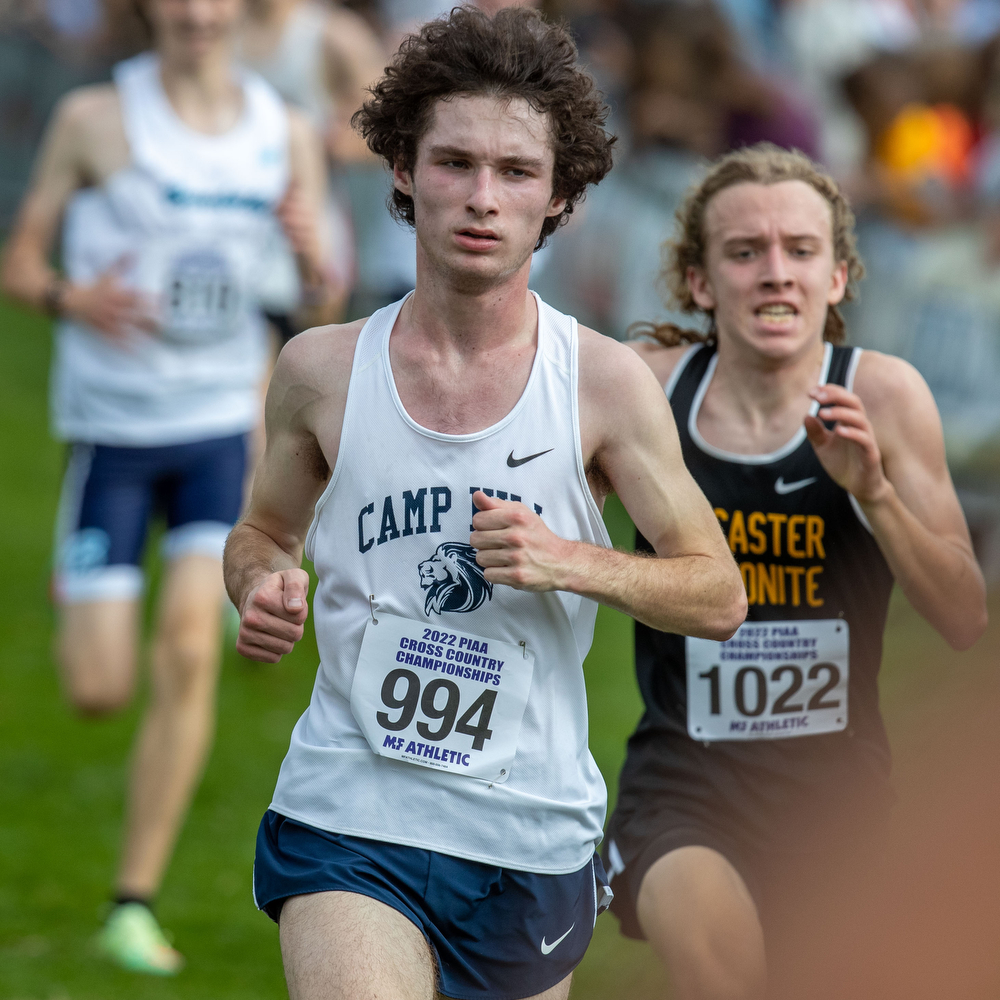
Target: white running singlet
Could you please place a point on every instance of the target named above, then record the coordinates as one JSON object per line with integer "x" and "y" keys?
{"x": 461, "y": 726}
{"x": 188, "y": 222}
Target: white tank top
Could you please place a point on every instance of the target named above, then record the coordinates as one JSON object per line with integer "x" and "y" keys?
{"x": 394, "y": 524}
{"x": 189, "y": 222}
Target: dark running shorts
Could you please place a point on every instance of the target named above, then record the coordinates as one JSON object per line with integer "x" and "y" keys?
{"x": 495, "y": 933}
{"x": 109, "y": 494}
{"x": 782, "y": 882}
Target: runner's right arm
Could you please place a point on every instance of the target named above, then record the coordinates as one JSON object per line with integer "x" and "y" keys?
{"x": 85, "y": 119}
{"x": 303, "y": 416}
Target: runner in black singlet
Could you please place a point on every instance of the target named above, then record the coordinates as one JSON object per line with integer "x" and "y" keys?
{"x": 754, "y": 756}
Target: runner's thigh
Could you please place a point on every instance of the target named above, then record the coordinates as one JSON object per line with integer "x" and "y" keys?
{"x": 345, "y": 946}
{"x": 97, "y": 653}
{"x": 700, "y": 918}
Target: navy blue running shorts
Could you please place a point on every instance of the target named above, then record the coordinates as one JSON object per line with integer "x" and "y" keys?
{"x": 109, "y": 494}
{"x": 495, "y": 933}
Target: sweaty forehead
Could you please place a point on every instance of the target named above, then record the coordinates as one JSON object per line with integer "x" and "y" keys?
{"x": 492, "y": 127}
{"x": 788, "y": 208}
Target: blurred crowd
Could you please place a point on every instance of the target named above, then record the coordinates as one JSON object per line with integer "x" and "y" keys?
{"x": 900, "y": 99}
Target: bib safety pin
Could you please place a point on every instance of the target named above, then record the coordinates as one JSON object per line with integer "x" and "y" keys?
{"x": 524, "y": 648}
{"x": 371, "y": 608}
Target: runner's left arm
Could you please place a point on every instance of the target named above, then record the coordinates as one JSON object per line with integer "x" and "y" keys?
{"x": 354, "y": 59}
{"x": 887, "y": 449}
{"x": 304, "y": 217}
{"x": 630, "y": 445}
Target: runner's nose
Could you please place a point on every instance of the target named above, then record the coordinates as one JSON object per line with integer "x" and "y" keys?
{"x": 482, "y": 199}
{"x": 774, "y": 272}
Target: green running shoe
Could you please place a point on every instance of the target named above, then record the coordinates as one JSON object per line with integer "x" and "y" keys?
{"x": 132, "y": 938}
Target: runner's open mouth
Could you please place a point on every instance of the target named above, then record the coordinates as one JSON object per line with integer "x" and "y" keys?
{"x": 776, "y": 310}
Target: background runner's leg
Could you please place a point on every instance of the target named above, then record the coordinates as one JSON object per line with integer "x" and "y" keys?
{"x": 343, "y": 946}
{"x": 97, "y": 653}
{"x": 177, "y": 729}
{"x": 698, "y": 915}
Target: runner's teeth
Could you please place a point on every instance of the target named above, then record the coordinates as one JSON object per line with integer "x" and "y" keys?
{"x": 779, "y": 310}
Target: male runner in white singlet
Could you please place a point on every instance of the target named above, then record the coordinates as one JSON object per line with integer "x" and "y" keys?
{"x": 761, "y": 763}
{"x": 169, "y": 180}
{"x": 434, "y": 822}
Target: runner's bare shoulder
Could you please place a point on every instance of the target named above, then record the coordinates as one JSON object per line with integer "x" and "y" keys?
{"x": 898, "y": 401}
{"x": 616, "y": 389}
{"x": 314, "y": 369}
{"x": 607, "y": 366}
{"x": 884, "y": 379}
{"x": 88, "y": 121}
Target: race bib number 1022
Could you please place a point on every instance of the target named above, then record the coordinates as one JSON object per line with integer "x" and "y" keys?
{"x": 440, "y": 698}
{"x": 770, "y": 681}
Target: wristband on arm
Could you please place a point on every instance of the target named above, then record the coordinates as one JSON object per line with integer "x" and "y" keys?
{"x": 52, "y": 297}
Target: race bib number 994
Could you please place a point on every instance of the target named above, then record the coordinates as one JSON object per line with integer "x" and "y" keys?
{"x": 771, "y": 680}
{"x": 440, "y": 698}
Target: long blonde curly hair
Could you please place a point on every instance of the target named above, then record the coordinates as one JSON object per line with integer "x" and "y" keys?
{"x": 763, "y": 163}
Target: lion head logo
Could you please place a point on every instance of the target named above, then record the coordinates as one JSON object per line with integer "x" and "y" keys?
{"x": 453, "y": 579}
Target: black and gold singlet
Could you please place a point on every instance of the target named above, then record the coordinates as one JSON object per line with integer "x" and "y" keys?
{"x": 784, "y": 717}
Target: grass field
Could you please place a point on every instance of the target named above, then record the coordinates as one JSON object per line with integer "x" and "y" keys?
{"x": 61, "y": 779}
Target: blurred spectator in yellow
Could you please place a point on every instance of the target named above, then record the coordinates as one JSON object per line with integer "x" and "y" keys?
{"x": 922, "y": 113}
{"x": 933, "y": 297}
{"x": 827, "y": 39}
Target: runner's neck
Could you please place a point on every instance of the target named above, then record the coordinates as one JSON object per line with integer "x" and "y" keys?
{"x": 203, "y": 91}
{"x": 766, "y": 399}
{"x": 470, "y": 322}
{"x": 459, "y": 381}
{"x": 265, "y": 26}
{"x": 274, "y": 13}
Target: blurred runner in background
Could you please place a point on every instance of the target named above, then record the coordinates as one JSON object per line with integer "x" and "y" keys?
{"x": 320, "y": 58}
{"x": 170, "y": 184}
{"x": 761, "y": 761}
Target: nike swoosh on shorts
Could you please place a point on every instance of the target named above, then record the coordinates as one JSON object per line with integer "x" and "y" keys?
{"x": 515, "y": 462}
{"x": 546, "y": 948}
{"x": 781, "y": 487}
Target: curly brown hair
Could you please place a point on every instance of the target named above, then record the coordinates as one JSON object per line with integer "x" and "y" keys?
{"x": 763, "y": 163}
{"x": 514, "y": 54}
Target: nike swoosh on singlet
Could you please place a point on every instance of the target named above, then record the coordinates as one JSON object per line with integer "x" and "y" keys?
{"x": 515, "y": 462}
{"x": 781, "y": 487}
{"x": 546, "y": 948}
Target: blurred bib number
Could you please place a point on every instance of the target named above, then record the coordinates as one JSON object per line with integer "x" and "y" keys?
{"x": 201, "y": 297}
{"x": 770, "y": 681}
{"x": 439, "y": 698}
